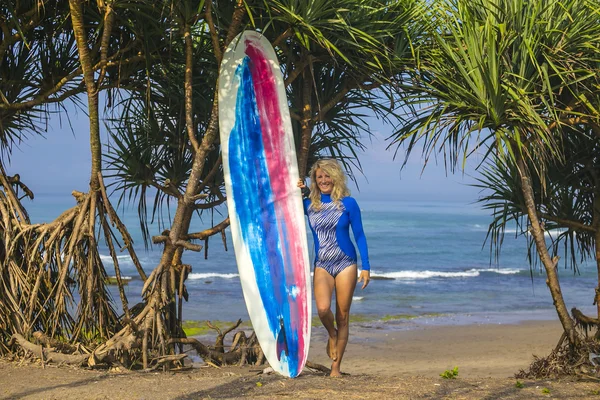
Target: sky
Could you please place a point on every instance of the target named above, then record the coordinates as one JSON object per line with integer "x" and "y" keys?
{"x": 59, "y": 162}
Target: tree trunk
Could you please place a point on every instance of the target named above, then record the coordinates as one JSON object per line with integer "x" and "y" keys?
{"x": 76, "y": 7}
{"x": 159, "y": 283}
{"x": 306, "y": 125}
{"x": 188, "y": 82}
{"x": 596, "y": 225}
{"x": 540, "y": 244}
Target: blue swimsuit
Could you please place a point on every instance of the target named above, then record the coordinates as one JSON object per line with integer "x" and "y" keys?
{"x": 331, "y": 231}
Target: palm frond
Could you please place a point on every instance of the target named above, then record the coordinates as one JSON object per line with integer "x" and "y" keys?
{"x": 496, "y": 65}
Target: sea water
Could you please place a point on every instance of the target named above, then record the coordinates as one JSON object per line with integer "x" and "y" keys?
{"x": 428, "y": 260}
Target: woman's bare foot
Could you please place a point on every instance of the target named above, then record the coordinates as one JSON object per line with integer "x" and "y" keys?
{"x": 335, "y": 370}
{"x": 332, "y": 347}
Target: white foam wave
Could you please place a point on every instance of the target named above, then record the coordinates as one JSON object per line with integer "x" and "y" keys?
{"x": 212, "y": 275}
{"x": 121, "y": 258}
{"x": 413, "y": 275}
{"x": 554, "y": 232}
{"x": 357, "y": 298}
{"x": 410, "y": 275}
{"x": 125, "y": 278}
{"x": 512, "y": 231}
{"x": 504, "y": 271}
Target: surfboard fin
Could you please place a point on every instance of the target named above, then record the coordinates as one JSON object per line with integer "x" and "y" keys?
{"x": 282, "y": 346}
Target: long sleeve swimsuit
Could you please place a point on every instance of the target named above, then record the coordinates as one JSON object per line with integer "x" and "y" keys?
{"x": 330, "y": 226}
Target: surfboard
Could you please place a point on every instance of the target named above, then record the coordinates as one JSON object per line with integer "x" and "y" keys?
{"x": 264, "y": 203}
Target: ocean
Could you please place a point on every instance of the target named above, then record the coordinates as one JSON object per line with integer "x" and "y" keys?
{"x": 428, "y": 261}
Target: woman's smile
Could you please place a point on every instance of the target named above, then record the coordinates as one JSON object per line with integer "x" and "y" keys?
{"x": 324, "y": 182}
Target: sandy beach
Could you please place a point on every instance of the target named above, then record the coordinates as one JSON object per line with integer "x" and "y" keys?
{"x": 479, "y": 350}
{"x": 380, "y": 363}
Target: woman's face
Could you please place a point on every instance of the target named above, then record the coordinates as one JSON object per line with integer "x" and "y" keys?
{"x": 324, "y": 181}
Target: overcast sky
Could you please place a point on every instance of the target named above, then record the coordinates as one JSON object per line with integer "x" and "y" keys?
{"x": 60, "y": 162}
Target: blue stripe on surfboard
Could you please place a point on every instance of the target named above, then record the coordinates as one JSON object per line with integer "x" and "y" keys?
{"x": 252, "y": 193}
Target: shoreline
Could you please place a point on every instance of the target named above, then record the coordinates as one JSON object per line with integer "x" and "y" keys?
{"x": 399, "y": 322}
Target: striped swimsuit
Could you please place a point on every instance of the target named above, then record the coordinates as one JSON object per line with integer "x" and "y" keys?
{"x": 330, "y": 226}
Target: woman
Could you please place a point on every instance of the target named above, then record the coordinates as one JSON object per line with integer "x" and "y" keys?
{"x": 331, "y": 211}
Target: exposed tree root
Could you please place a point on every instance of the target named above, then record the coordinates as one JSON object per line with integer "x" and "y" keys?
{"x": 44, "y": 266}
{"x": 318, "y": 367}
{"x": 48, "y": 354}
{"x": 62, "y": 257}
{"x": 581, "y": 360}
{"x": 566, "y": 361}
{"x": 244, "y": 350}
{"x": 43, "y": 339}
{"x": 586, "y": 323}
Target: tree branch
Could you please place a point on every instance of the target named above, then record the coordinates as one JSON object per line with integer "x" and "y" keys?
{"x": 578, "y": 226}
{"x": 188, "y": 246}
{"x": 159, "y": 239}
{"x": 213, "y": 32}
{"x": 286, "y": 34}
{"x": 44, "y": 97}
{"x": 318, "y": 367}
{"x": 16, "y": 180}
{"x": 339, "y": 96}
{"x": 167, "y": 188}
{"x": 199, "y": 196}
{"x": 115, "y": 220}
{"x": 293, "y": 75}
{"x": 109, "y": 18}
{"x": 206, "y": 206}
{"x": 209, "y": 232}
{"x": 211, "y": 174}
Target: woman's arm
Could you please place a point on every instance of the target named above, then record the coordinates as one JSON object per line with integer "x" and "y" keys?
{"x": 361, "y": 241}
{"x": 359, "y": 233}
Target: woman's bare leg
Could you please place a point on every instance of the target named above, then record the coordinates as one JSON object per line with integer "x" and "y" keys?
{"x": 345, "y": 282}
{"x": 324, "y": 284}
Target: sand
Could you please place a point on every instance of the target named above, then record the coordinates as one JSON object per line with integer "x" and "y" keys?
{"x": 381, "y": 363}
{"x": 485, "y": 350}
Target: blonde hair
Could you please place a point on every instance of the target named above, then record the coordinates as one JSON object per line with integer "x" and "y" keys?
{"x": 332, "y": 168}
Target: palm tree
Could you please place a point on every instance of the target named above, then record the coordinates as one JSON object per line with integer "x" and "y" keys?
{"x": 505, "y": 76}
{"x": 167, "y": 139}
{"x": 48, "y": 263}
{"x": 334, "y": 55}
{"x": 568, "y": 204}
